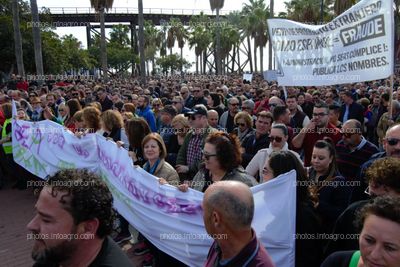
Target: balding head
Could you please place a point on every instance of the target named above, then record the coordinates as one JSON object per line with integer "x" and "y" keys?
{"x": 391, "y": 142}
{"x": 232, "y": 202}
{"x": 212, "y": 117}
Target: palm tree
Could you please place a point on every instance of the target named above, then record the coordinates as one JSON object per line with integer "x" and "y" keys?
{"x": 308, "y": 11}
{"x": 152, "y": 43}
{"x": 99, "y": 6}
{"x": 141, "y": 42}
{"x": 217, "y": 4}
{"x": 17, "y": 39}
{"x": 342, "y": 5}
{"x": 200, "y": 38}
{"x": 256, "y": 15}
{"x": 176, "y": 32}
{"x": 37, "y": 41}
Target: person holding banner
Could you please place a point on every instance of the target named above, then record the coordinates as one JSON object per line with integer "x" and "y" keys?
{"x": 221, "y": 162}
{"x": 155, "y": 152}
{"x": 379, "y": 239}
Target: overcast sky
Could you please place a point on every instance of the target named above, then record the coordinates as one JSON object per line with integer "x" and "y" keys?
{"x": 80, "y": 32}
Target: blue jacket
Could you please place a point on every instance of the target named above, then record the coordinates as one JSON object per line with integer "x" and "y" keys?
{"x": 148, "y": 115}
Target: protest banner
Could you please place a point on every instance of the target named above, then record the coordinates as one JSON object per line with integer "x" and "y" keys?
{"x": 354, "y": 47}
{"x": 172, "y": 220}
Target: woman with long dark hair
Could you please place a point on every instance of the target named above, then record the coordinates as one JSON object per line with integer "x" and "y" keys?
{"x": 308, "y": 250}
{"x": 329, "y": 191}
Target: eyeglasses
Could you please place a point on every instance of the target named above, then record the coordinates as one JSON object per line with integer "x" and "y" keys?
{"x": 272, "y": 105}
{"x": 156, "y": 105}
{"x": 319, "y": 114}
{"x": 207, "y": 156}
{"x": 234, "y": 104}
{"x": 75, "y": 94}
{"x": 277, "y": 139}
{"x": 62, "y": 110}
{"x": 196, "y": 91}
{"x": 241, "y": 124}
{"x": 392, "y": 141}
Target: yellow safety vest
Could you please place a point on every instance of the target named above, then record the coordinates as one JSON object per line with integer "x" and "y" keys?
{"x": 8, "y": 145}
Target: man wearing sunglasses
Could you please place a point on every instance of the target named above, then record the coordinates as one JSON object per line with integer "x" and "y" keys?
{"x": 353, "y": 150}
{"x": 227, "y": 118}
{"x": 391, "y": 145}
{"x": 189, "y": 155}
{"x": 198, "y": 96}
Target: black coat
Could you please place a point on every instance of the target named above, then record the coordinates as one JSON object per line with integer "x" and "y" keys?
{"x": 356, "y": 111}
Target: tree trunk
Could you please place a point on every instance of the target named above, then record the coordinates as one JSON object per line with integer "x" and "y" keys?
{"x": 37, "y": 42}
{"x": 141, "y": 42}
{"x": 181, "y": 61}
{"x": 197, "y": 64}
{"x": 147, "y": 68}
{"x": 249, "y": 54}
{"x": 204, "y": 61}
{"x": 255, "y": 57}
{"x": 238, "y": 58}
{"x": 233, "y": 58}
{"x": 17, "y": 39}
{"x": 218, "y": 53}
{"x": 261, "y": 59}
{"x": 271, "y": 10}
{"x": 103, "y": 47}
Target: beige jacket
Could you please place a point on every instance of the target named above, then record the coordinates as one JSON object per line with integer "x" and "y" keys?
{"x": 166, "y": 171}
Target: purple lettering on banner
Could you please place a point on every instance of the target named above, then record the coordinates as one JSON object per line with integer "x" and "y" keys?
{"x": 190, "y": 208}
{"x": 56, "y": 139}
{"x": 158, "y": 200}
{"x": 81, "y": 151}
{"x": 143, "y": 194}
{"x": 22, "y": 134}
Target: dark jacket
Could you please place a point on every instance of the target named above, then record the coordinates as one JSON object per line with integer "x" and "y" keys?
{"x": 356, "y": 111}
{"x": 254, "y": 254}
{"x": 251, "y": 145}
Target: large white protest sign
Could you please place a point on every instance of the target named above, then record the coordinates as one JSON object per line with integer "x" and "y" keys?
{"x": 355, "y": 46}
{"x": 170, "y": 219}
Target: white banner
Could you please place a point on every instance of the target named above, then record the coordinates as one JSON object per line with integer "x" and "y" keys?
{"x": 356, "y": 46}
{"x": 170, "y": 219}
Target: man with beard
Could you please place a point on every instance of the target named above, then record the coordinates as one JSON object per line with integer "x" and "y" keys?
{"x": 74, "y": 217}
{"x": 317, "y": 129}
{"x": 144, "y": 111}
{"x": 391, "y": 145}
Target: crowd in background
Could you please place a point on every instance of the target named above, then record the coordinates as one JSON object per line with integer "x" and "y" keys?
{"x": 343, "y": 141}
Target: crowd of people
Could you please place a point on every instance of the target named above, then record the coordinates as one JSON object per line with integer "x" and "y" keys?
{"x": 343, "y": 141}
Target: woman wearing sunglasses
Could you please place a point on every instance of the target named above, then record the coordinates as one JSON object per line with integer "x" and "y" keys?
{"x": 278, "y": 142}
{"x": 221, "y": 162}
{"x": 379, "y": 239}
{"x": 244, "y": 125}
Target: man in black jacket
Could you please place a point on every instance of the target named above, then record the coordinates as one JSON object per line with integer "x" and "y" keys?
{"x": 350, "y": 109}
